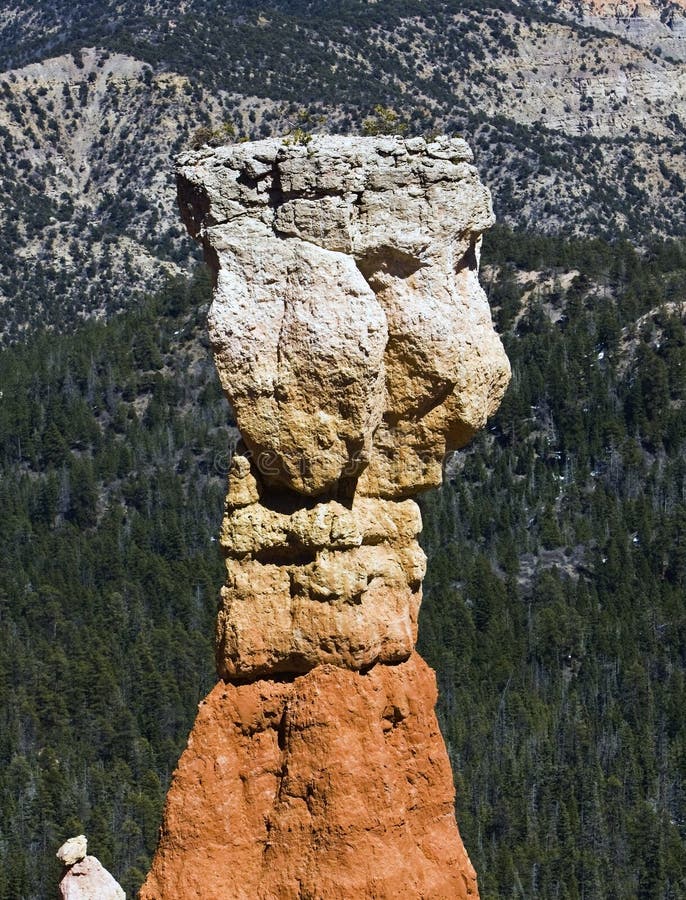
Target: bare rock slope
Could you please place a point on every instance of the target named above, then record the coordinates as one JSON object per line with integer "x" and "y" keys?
{"x": 355, "y": 344}
{"x": 659, "y": 25}
{"x": 579, "y": 128}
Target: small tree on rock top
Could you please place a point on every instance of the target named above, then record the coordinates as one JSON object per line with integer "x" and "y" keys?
{"x": 384, "y": 120}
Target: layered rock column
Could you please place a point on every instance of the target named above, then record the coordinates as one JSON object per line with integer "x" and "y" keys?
{"x": 355, "y": 346}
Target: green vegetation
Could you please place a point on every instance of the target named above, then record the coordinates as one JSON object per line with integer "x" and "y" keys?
{"x": 384, "y": 120}
{"x": 213, "y": 137}
{"x": 113, "y": 447}
{"x": 554, "y": 606}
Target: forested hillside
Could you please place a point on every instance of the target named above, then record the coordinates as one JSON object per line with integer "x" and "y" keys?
{"x": 554, "y": 610}
{"x": 555, "y": 606}
{"x": 114, "y": 446}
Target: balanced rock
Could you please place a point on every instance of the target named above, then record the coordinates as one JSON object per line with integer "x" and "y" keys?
{"x": 73, "y": 850}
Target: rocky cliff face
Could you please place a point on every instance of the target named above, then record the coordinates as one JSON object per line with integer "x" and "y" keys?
{"x": 355, "y": 345}
{"x": 624, "y": 9}
{"x": 658, "y": 25}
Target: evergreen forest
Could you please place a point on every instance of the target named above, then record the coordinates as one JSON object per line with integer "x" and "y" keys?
{"x": 554, "y": 607}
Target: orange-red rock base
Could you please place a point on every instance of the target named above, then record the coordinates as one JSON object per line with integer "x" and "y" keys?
{"x": 332, "y": 786}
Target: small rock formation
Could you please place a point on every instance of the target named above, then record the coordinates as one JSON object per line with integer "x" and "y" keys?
{"x": 84, "y": 877}
{"x": 355, "y": 345}
{"x": 73, "y": 850}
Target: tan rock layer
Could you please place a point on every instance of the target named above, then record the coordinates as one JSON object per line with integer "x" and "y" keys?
{"x": 333, "y": 785}
{"x": 323, "y": 583}
{"x": 352, "y": 609}
{"x": 350, "y": 331}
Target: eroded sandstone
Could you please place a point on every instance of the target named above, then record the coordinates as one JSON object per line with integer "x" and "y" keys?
{"x": 351, "y": 334}
{"x": 333, "y": 785}
{"x": 355, "y": 345}
{"x": 324, "y": 583}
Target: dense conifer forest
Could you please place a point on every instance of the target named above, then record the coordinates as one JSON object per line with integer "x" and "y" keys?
{"x": 554, "y": 606}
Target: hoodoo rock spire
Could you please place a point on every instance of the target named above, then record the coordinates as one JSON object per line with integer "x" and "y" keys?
{"x": 355, "y": 345}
